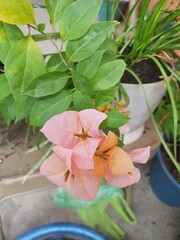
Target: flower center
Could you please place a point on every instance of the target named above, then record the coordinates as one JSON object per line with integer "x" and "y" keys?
{"x": 83, "y": 135}
{"x": 67, "y": 174}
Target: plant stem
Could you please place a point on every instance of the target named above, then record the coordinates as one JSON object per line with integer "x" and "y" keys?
{"x": 40, "y": 37}
{"x": 53, "y": 43}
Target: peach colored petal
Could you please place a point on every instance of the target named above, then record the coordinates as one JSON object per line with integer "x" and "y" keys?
{"x": 54, "y": 168}
{"x": 99, "y": 170}
{"x": 124, "y": 180}
{"x": 65, "y": 154}
{"x": 90, "y": 120}
{"x": 85, "y": 186}
{"x": 140, "y": 155}
{"x": 119, "y": 161}
{"x": 110, "y": 141}
{"x": 83, "y": 153}
{"x": 60, "y": 129}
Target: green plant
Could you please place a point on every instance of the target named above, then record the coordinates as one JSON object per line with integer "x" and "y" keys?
{"x": 164, "y": 114}
{"x": 35, "y": 87}
{"x": 154, "y": 36}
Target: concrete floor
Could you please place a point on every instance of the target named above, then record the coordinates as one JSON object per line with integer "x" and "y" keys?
{"x": 156, "y": 221}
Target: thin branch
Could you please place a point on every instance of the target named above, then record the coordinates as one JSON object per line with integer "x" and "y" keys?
{"x": 53, "y": 43}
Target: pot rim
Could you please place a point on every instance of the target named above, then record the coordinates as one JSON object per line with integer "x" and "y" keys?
{"x": 159, "y": 155}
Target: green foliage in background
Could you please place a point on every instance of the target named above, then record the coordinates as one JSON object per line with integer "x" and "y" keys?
{"x": 35, "y": 87}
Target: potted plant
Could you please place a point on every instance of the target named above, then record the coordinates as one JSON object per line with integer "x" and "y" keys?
{"x": 112, "y": 10}
{"x": 165, "y": 174}
{"x": 70, "y": 94}
{"x": 147, "y": 46}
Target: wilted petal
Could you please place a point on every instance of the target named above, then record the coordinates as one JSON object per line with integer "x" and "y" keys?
{"x": 99, "y": 169}
{"x": 85, "y": 186}
{"x": 119, "y": 161}
{"x": 83, "y": 153}
{"x": 110, "y": 141}
{"x": 54, "y": 168}
{"x": 60, "y": 129}
{"x": 140, "y": 155}
{"x": 90, "y": 120}
{"x": 125, "y": 179}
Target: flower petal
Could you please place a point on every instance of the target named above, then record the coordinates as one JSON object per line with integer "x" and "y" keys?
{"x": 60, "y": 129}
{"x": 140, "y": 155}
{"x": 119, "y": 161}
{"x": 90, "y": 120}
{"x": 85, "y": 186}
{"x": 125, "y": 179}
{"x": 99, "y": 170}
{"x": 65, "y": 154}
{"x": 83, "y": 153}
{"x": 110, "y": 141}
{"x": 54, "y": 168}
{"x": 124, "y": 129}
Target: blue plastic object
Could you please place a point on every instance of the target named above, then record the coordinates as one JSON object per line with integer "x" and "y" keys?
{"x": 103, "y": 11}
{"x": 57, "y": 231}
{"x": 165, "y": 187}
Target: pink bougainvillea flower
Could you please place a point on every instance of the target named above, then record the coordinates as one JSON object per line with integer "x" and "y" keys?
{"x": 81, "y": 183}
{"x": 109, "y": 156}
{"x": 125, "y": 128}
{"x": 140, "y": 155}
{"x": 78, "y": 131}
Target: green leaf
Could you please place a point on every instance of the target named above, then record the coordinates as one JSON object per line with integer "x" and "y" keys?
{"x": 7, "y": 109}
{"x": 55, "y": 63}
{"x": 47, "y": 84}
{"x": 116, "y": 119}
{"x": 47, "y": 108}
{"x": 110, "y": 47}
{"x": 9, "y": 35}
{"x": 56, "y": 8}
{"x": 23, "y": 107}
{"x": 24, "y": 63}
{"x": 78, "y": 18}
{"x": 82, "y": 101}
{"x": 108, "y": 75}
{"x": 105, "y": 97}
{"x": 80, "y": 49}
{"x": 4, "y": 89}
{"x": 17, "y": 12}
{"x": 41, "y": 26}
{"x": 90, "y": 66}
{"x": 82, "y": 84}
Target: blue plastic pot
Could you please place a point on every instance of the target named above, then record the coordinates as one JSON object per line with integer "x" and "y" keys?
{"x": 104, "y": 8}
{"x": 165, "y": 187}
{"x": 59, "y": 231}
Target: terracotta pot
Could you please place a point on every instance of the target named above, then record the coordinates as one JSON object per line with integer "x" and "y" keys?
{"x": 139, "y": 112}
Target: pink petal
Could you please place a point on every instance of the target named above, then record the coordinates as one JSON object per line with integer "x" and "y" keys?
{"x": 85, "y": 186}
{"x": 65, "y": 154}
{"x": 60, "y": 129}
{"x": 124, "y": 129}
{"x": 83, "y": 153}
{"x": 54, "y": 168}
{"x": 125, "y": 179}
{"x": 140, "y": 155}
{"x": 90, "y": 120}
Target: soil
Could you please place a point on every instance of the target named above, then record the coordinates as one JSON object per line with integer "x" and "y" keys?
{"x": 169, "y": 164}
{"x": 146, "y": 70}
